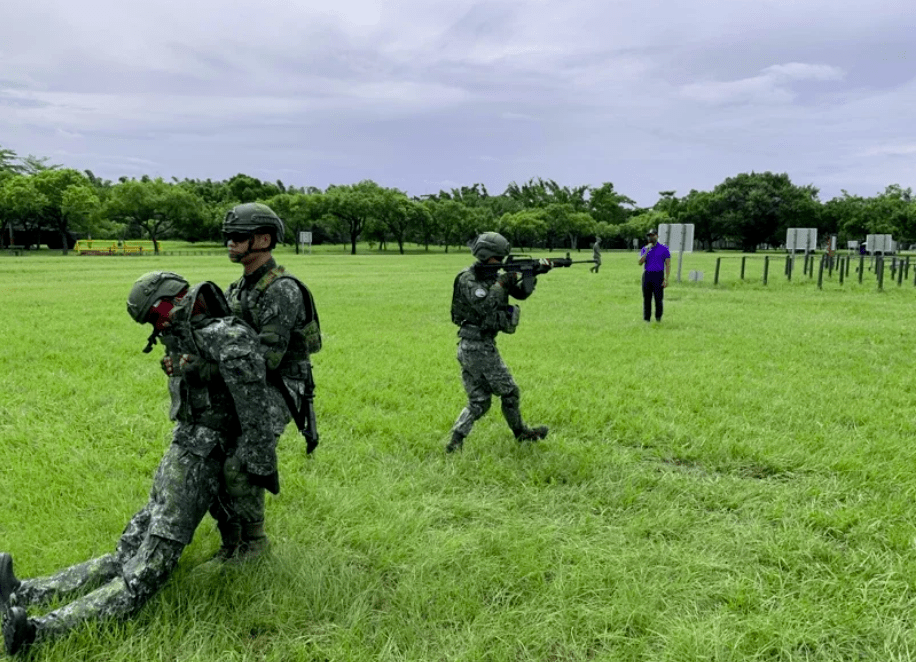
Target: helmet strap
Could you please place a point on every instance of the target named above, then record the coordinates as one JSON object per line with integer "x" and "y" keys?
{"x": 249, "y": 251}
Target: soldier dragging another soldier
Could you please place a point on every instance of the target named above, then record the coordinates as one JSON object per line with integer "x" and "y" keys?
{"x": 281, "y": 310}
{"x": 223, "y": 446}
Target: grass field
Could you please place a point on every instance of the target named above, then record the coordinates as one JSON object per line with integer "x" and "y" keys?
{"x": 736, "y": 483}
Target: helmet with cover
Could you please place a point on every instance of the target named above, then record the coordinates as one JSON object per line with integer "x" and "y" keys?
{"x": 251, "y": 218}
{"x": 151, "y": 287}
{"x": 490, "y": 244}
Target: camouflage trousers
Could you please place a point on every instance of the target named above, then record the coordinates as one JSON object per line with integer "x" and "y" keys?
{"x": 484, "y": 375}
{"x": 248, "y": 509}
{"x": 184, "y": 487}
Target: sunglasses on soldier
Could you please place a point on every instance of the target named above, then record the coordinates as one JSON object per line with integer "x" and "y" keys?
{"x": 236, "y": 237}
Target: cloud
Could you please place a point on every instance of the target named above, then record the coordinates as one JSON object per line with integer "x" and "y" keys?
{"x": 891, "y": 150}
{"x": 652, "y": 96}
{"x": 771, "y": 86}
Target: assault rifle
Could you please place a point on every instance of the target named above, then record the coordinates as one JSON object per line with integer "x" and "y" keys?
{"x": 529, "y": 267}
{"x": 303, "y": 417}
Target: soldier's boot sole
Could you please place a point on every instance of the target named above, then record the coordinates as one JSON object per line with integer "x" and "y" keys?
{"x": 18, "y": 630}
{"x": 8, "y": 581}
{"x": 456, "y": 443}
{"x": 251, "y": 549}
{"x": 532, "y": 434}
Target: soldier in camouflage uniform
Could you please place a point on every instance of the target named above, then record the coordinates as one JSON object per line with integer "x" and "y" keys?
{"x": 280, "y": 308}
{"x": 221, "y": 443}
{"x": 480, "y": 307}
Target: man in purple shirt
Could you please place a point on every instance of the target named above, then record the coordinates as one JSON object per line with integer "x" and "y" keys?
{"x": 657, "y": 259}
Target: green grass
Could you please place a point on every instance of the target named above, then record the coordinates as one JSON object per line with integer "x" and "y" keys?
{"x": 736, "y": 483}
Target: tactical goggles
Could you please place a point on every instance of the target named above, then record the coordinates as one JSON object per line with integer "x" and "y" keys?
{"x": 236, "y": 237}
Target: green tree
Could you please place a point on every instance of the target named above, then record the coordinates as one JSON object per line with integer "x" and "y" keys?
{"x": 757, "y": 208}
{"x": 81, "y": 210}
{"x": 250, "y": 189}
{"x": 458, "y": 223}
{"x": 21, "y": 205}
{"x": 524, "y": 229}
{"x": 353, "y": 205}
{"x": 54, "y": 183}
{"x": 608, "y": 206}
{"x": 397, "y": 214}
{"x": 704, "y": 210}
{"x": 8, "y": 159}
{"x": 637, "y": 226}
{"x": 300, "y": 212}
{"x": 154, "y": 207}
{"x": 32, "y": 165}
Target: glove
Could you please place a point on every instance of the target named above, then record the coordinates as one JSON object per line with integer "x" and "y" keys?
{"x": 507, "y": 279}
{"x": 235, "y": 478}
{"x": 271, "y": 482}
{"x": 239, "y": 482}
{"x": 197, "y": 370}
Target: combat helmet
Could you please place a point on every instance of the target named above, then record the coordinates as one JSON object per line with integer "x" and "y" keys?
{"x": 252, "y": 217}
{"x": 151, "y": 287}
{"x": 490, "y": 244}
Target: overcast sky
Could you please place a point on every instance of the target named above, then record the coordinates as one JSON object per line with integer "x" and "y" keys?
{"x": 424, "y": 95}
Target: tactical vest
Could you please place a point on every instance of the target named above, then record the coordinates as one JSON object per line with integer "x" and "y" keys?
{"x": 303, "y": 341}
{"x": 473, "y": 324}
{"x": 462, "y": 311}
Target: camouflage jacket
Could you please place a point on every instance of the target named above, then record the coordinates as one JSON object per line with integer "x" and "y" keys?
{"x": 281, "y": 310}
{"x": 480, "y": 305}
{"x": 229, "y": 400}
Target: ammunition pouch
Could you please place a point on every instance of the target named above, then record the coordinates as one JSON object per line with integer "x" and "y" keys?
{"x": 509, "y": 319}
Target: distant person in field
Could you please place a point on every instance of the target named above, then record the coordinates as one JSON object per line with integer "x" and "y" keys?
{"x": 657, "y": 260}
{"x": 596, "y": 256}
{"x": 280, "y": 308}
{"x": 222, "y": 445}
{"x": 480, "y": 308}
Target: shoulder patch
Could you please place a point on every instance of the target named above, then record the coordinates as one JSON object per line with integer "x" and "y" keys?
{"x": 480, "y": 293}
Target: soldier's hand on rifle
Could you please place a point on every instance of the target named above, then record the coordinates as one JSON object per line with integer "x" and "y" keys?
{"x": 507, "y": 279}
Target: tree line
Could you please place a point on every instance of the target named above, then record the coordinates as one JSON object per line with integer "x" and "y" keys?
{"x": 747, "y": 211}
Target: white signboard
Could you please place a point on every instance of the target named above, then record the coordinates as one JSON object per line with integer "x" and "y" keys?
{"x": 880, "y": 243}
{"x": 801, "y": 239}
{"x": 305, "y": 237}
{"x": 678, "y": 237}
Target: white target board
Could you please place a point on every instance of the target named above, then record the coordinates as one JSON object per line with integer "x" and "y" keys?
{"x": 880, "y": 243}
{"x": 801, "y": 239}
{"x": 676, "y": 236}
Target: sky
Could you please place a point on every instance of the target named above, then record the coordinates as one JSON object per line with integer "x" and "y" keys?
{"x": 429, "y": 95}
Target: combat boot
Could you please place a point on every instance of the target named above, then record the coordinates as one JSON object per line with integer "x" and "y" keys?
{"x": 231, "y": 533}
{"x": 456, "y": 443}
{"x": 531, "y": 434}
{"x": 254, "y": 541}
{"x": 18, "y": 631}
{"x": 8, "y": 581}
